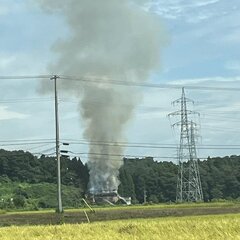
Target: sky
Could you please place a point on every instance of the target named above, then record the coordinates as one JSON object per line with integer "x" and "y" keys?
{"x": 202, "y": 50}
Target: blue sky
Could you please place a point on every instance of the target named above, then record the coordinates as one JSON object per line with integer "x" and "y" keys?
{"x": 203, "y": 49}
{"x": 204, "y": 38}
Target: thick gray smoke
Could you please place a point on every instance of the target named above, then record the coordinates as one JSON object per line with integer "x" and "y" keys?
{"x": 109, "y": 39}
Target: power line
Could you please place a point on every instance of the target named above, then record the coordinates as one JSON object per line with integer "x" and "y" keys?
{"x": 72, "y": 141}
{"x": 105, "y": 80}
{"x": 26, "y": 100}
{"x": 83, "y": 141}
{"x": 41, "y": 146}
{"x": 149, "y": 85}
{"x": 25, "y": 143}
{"x": 20, "y": 77}
{"x": 143, "y": 145}
{"x": 114, "y": 157}
{"x": 29, "y": 140}
{"x": 124, "y": 156}
{"x": 156, "y": 146}
{"x": 97, "y": 101}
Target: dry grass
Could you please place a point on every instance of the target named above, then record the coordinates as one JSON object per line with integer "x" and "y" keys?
{"x": 195, "y": 228}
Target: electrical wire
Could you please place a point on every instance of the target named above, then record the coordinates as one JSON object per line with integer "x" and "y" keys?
{"x": 112, "y": 144}
{"x": 19, "y": 77}
{"x": 149, "y": 85}
{"x": 140, "y": 144}
{"x": 29, "y": 140}
{"x": 22, "y": 144}
{"x": 26, "y": 100}
{"x": 105, "y": 80}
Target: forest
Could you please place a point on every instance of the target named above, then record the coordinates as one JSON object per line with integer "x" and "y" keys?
{"x": 28, "y": 181}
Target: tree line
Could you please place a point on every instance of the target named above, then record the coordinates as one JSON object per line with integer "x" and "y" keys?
{"x": 220, "y": 178}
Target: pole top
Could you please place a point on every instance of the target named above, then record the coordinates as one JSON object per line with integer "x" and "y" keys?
{"x": 54, "y": 77}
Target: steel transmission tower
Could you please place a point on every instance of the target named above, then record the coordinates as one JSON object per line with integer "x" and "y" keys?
{"x": 189, "y": 187}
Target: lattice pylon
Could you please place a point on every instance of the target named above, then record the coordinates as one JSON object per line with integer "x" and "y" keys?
{"x": 189, "y": 187}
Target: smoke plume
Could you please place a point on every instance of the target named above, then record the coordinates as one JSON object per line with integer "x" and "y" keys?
{"x": 109, "y": 39}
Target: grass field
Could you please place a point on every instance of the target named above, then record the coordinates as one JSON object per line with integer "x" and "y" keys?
{"x": 224, "y": 204}
{"x": 76, "y": 216}
{"x": 215, "y": 227}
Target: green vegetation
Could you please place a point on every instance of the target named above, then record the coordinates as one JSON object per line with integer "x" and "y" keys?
{"x": 29, "y": 182}
{"x": 220, "y": 179}
{"x": 34, "y": 196}
{"x": 193, "y": 228}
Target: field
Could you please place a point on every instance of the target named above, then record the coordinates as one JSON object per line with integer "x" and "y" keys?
{"x": 215, "y": 227}
{"x": 175, "y": 221}
{"x": 76, "y": 216}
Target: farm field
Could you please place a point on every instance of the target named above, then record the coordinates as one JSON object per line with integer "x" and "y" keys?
{"x": 75, "y": 216}
{"x": 191, "y": 227}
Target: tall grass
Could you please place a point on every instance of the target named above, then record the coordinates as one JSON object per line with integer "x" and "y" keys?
{"x": 218, "y": 227}
{"x": 2, "y": 211}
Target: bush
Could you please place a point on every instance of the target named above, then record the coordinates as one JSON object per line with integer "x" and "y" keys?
{"x": 153, "y": 199}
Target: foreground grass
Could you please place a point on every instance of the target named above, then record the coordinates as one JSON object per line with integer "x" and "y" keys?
{"x": 195, "y": 228}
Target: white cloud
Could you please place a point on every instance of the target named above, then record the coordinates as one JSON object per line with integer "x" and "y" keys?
{"x": 204, "y": 3}
{"x": 189, "y": 11}
{"x": 6, "y": 114}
